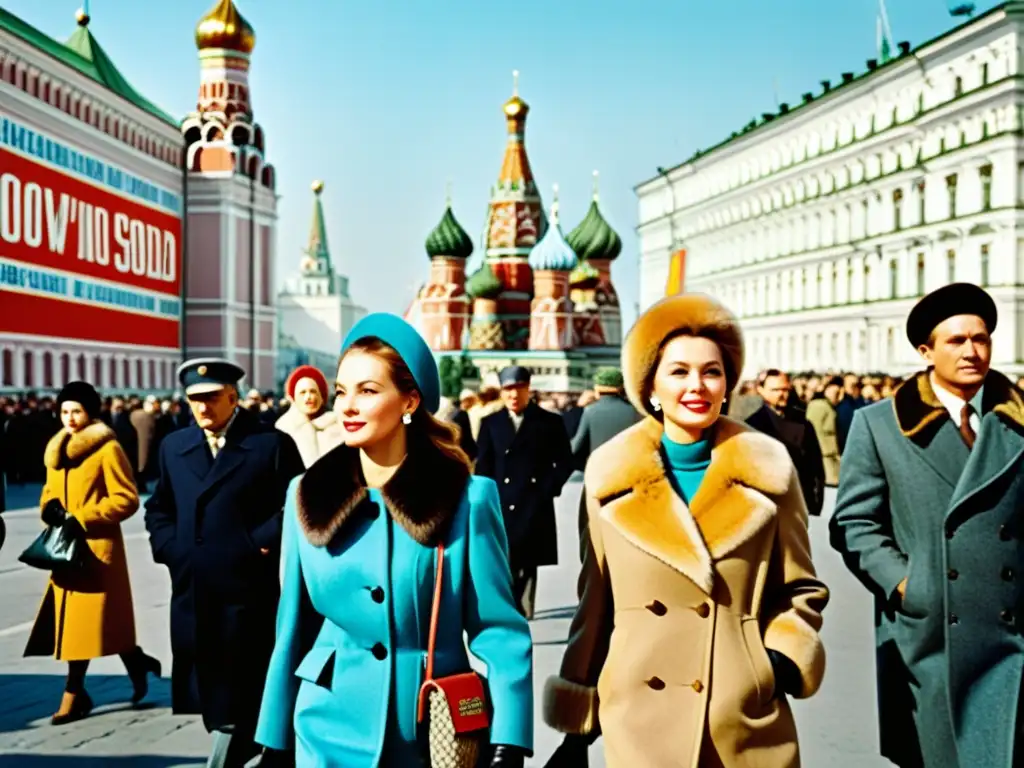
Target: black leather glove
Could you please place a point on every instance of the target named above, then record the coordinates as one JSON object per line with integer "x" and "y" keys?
{"x": 54, "y": 512}
{"x": 571, "y": 753}
{"x": 507, "y": 756}
{"x": 787, "y": 675}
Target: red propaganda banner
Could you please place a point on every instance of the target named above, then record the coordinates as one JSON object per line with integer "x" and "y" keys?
{"x": 87, "y": 251}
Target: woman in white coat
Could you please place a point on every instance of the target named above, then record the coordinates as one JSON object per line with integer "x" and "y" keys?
{"x": 310, "y": 423}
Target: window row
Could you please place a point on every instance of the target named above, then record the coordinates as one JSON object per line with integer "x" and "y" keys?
{"x": 29, "y": 369}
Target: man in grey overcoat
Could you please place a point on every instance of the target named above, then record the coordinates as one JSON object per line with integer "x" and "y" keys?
{"x": 602, "y": 420}
{"x": 928, "y": 517}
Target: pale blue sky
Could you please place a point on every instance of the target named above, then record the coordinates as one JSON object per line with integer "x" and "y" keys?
{"x": 388, "y": 100}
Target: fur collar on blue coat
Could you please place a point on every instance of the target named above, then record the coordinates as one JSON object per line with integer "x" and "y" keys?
{"x": 422, "y": 496}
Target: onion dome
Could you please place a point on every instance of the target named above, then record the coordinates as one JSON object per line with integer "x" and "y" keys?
{"x": 449, "y": 238}
{"x": 594, "y": 238}
{"x": 516, "y": 109}
{"x": 223, "y": 27}
{"x": 553, "y": 252}
{"x": 584, "y": 276}
{"x": 484, "y": 284}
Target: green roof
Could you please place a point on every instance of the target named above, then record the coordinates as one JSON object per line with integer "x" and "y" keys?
{"x": 449, "y": 238}
{"x": 317, "y": 245}
{"x": 83, "y": 53}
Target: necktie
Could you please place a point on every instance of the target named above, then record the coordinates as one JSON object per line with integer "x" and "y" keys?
{"x": 965, "y": 425}
{"x": 216, "y": 443}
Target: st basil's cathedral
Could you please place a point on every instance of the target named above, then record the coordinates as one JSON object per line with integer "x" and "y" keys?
{"x": 539, "y": 298}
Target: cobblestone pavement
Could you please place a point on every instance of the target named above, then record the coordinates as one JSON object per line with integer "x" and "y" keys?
{"x": 837, "y": 727}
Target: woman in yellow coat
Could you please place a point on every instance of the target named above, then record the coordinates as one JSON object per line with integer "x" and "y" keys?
{"x": 87, "y": 613}
{"x": 700, "y": 608}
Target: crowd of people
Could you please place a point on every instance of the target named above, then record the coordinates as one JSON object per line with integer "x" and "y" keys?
{"x": 334, "y": 558}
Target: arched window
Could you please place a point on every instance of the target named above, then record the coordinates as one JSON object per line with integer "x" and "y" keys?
{"x": 28, "y": 363}
{"x": 7, "y": 372}
{"x": 48, "y": 369}
{"x": 65, "y": 368}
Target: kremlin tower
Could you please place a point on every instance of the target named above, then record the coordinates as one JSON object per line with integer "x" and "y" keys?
{"x": 552, "y": 259}
{"x": 231, "y": 207}
{"x": 538, "y": 298}
{"x": 315, "y": 311}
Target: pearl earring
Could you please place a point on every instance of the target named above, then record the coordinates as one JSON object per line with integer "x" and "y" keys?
{"x": 655, "y": 403}
{"x": 407, "y": 418}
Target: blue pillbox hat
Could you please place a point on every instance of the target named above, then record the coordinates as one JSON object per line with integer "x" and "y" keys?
{"x": 208, "y": 374}
{"x": 410, "y": 346}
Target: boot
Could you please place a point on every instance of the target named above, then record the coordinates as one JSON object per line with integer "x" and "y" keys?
{"x": 139, "y": 667}
{"x": 74, "y": 706}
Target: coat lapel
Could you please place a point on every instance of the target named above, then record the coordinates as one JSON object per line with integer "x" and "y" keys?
{"x": 529, "y": 417}
{"x": 232, "y": 455}
{"x": 1000, "y": 442}
{"x": 196, "y": 454}
{"x": 733, "y": 503}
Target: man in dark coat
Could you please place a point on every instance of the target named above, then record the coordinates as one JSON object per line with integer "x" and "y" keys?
{"x": 525, "y": 449}
{"x": 214, "y": 520}
{"x": 602, "y": 420}
{"x": 928, "y": 516}
{"x": 782, "y": 419}
{"x": 847, "y": 407}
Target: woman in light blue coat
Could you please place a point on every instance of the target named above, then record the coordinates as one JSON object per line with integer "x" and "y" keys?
{"x": 359, "y": 548}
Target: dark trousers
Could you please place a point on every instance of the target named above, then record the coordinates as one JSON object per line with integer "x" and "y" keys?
{"x": 524, "y": 588}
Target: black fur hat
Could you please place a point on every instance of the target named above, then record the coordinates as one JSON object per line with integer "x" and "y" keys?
{"x": 83, "y": 393}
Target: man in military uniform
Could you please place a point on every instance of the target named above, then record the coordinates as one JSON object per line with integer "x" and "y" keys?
{"x": 525, "y": 449}
{"x": 215, "y": 520}
{"x": 928, "y": 516}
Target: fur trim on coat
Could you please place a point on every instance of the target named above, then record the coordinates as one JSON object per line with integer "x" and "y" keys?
{"x": 918, "y": 410}
{"x": 313, "y": 437}
{"x": 694, "y": 314}
{"x": 73, "y": 447}
{"x": 422, "y": 496}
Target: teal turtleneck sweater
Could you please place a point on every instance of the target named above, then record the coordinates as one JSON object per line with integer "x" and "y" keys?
{"x": 686, "y": 464}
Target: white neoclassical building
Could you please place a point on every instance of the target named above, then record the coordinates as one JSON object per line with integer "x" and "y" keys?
{"x": 822, "y": 224}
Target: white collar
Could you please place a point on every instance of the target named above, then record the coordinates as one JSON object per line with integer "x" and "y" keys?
{"x": 952, "y": 403}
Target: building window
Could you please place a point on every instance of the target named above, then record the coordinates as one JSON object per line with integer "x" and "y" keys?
{"x": 920, "y": 203}
{"x": 894, "y": 278}
{"x": 867, "y": 281}
{"x": 897, "y": 209}
{"x": 958, "y": 87}
{"x": 920, "y": 274}
{"x": 986, "y": 188}
{"x": 984, "y": 73}
{"x": 951, "y": 194}
{"x": 951, "y": 266}
{"x": 984, "y": 263}
{"x": 865, "y": 207}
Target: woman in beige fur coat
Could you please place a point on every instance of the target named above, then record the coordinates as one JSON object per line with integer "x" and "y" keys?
{"x": 700, "y": 607}
{"x": 311, "y": 424}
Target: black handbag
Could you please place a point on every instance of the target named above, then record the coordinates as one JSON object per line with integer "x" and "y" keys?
{"x": 59, "y": 547}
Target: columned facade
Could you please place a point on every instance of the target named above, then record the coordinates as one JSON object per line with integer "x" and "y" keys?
{"x": 820, "y": 226}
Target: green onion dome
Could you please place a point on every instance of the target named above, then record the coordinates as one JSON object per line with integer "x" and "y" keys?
{"x": 484, "y": 284}
{"x": 585, "y": 275}
{"x": 594, "y": 238}
{"x": 449, "y": 238}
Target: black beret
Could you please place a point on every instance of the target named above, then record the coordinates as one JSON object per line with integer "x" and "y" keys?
{"x": 511, "y": 375}
{"x": 946, "y": 302}
{"x": 83, "y": 393}
{"x": 208, "y": 374}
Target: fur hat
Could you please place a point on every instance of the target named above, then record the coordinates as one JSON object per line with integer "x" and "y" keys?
{"x": 306, "y": 372}
{"x": 693, "y": 314}
{"x": 83, "y": 393}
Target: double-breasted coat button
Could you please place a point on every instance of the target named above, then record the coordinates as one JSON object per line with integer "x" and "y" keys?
{"x": 379, "y": 652}
{"x": 511, "y": 507}
{"x": 506, "y": 481}
{"x": 377, "y": 594}
{"x": 954, "y": 619}
{"x": 656, "y": 684}
{"x": 1004, "y": 533}
{"x": 1007, "y": 574}
{"x": 533, "y": 479}
{"x": 697, "y": 685}
{"x": 657, "y": 608}
{"x": 953, "y": 574}
{"x": 1006, "y": 615}
{"x": 703, "y": 610}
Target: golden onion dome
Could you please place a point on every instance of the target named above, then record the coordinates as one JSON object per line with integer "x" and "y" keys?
{"x": 515, "y": 108}
{"x": 224, "y": 27}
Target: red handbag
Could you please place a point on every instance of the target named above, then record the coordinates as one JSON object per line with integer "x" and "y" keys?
{"x": 457, "y": 704}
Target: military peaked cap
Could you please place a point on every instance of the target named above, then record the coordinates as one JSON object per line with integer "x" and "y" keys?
{"x": 208, "y": 374}
{"x": 513, "y": 375}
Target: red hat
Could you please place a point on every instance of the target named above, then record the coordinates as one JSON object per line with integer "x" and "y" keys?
{"x": 306, "y": 372}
